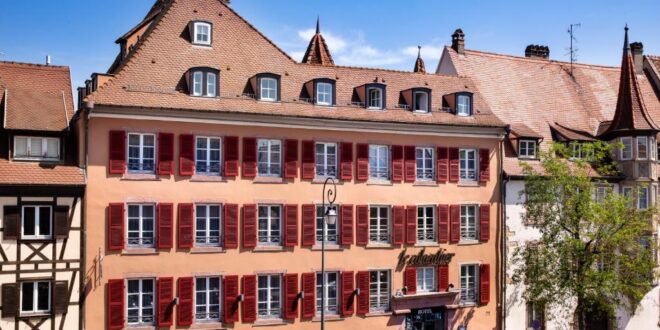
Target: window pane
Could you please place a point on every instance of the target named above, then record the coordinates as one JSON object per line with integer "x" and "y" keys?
{"x": 43, "y": 296}
{"x": 44, "y": 221}
{"x": 210, "y": 84}
{"x": 27, "y": 296}
{"x": 21, "y": 147}
{"x": 29, "y": 218}
{"x": 53, "y": 148}
{"x": 36, "y": 147}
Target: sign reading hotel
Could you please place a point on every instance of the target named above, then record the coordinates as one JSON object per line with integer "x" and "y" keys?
{"x": 423, "y": 259}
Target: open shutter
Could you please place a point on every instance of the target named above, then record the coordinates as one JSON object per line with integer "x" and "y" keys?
{"x": 249, "y": 298}
{"x": 346, "y": 149}
{"x": 362, "y": 225}
{"x": 61, "y": 222}
{"x": 411, "y": 224}
{"x": 443, "y": 278}
{"x": 484, "y": 284}
{"x": 363, "y": 283}
{"x": 165, "y": 154}
{"x": 484, "y": 165}
{"x": 61, "y": 297}
{"x": 115, "y": 304}
{"x": 9, "y": 299}
{"x": 410, "y": 280}
{"x": 443, "y": 223}
{"x": 291, "y": 225}
{"x": 185, "y": 293}
{"x": 308, "y": 289}
{"x": 397, "y": 163}
{"x": 454, "y": 223}
{"x": 484, "y": 222}
{"x": 11, "y": 220}
{"x": 291, "y": 296}
{"x": 231, "y": 226}
{"x": 165, "y": 298}
{"x": 249, "y": 157}
{"x": 230, "y": 156}
{"x": 165, "y": 215}
{"x": 398, "y": 224}
{"x": 185, "y": 226}
{"x": 362, "y": 162}
{"x": 347, "y": 289}
{"x": 443, "y": 164}
{"x": 230, "y": 303}
{"x": 453, "y": 165}
{"x": 308, "y": 225}
{"x": 347, "y": 224}
{"x": 117, "y": 152}
{"x": 186, "y": 155}
{"x": 410, "y": 166}
{"x": 116, "y": 226}
{"x": 308, "y": 161}
{"x": 249, "y": 225}
{"x": 290, "y": 159}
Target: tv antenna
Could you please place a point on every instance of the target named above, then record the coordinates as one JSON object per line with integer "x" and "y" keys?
{"x": 572, "y": 49}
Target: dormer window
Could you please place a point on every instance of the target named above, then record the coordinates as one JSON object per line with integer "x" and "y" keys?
{"x": 36, "y": 148}
{"x": 323, "y": 93}
{"x": 201, "y": 33}
{"x": 464, "y": 105}
{"x": 265, "y": 87}
{"x": 268, "y": 89}
{"x": 527, "y": 148}
{"x": 203, "y": 82}
{"x": 416, "y": 99}
{"x": 421, "y": 103}
{"x": 369, "y": 96}
{"x": 375, "y": 98}
{"x": 320, "y": 91}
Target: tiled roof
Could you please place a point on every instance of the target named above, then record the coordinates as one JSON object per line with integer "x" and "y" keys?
{"x": 521, "y": 130}
{"x": 419, "y": 63}
{"x": 36, "y": 97}
{"x": 31, "y": 173}
{"x": 317, "y": 51}
{"x": 568, "y": 134}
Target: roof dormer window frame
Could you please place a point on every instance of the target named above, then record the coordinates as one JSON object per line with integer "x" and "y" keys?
{"x": 265, "y": 93}
{"x": 462, "y": 109}
{"x": 195, "y": 27}
{"x": 373, "y": 91}
{"x": 32, "y": 143}
{"x": 531, "y": 148}
{"x": 328, "y": 87}
{"x": 426, "y": 99}
{"x": 203, "y": 82}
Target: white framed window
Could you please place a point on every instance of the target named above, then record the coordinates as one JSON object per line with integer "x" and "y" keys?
{"x": 424, "y": 157}
{"x": 463, "y": 105}
{"x": 37, "y": 148}
{"x": 326, "y": 160}
{"x": 379, "y": 162}
{"x": 421, "y": 101}
{"x": 141, "y": 223}
{"x": 578, "y": 151}
{"x": 207, "y": 299}
{"x": 375, "y": 96}
{"x": 269, "y": 296}
{"x": 211, "y": 84}
{"x": 469, "y": 277}
{"x": 208, "y": 225}
{"x": 379, "y": 224}
{"x": 35, "y": 297}
{"x": 600, "y": 193}
{"x": 208, "y": 151}
{"x": 269, "y": 157}
{"x": 425, "y": 279}
{"x": 527, "y": 148}
{"x": 331, "y": 231}
{"x": 426, "y": 224}
{"x": 140, "y": 301}
{"x": 469, "y": 222}
{"x": 198, "y": 83}
{"x": 323, "y": 93}
{"x": 627, "y": 193}
{"x": 379, "y": 290}
{"x": 643, "y": 198}
{"x": 204, "y": 82}
{"x": 268, "y": 89}
{"x": 535, "y": 316}
{"x": 468, "y": 164}
{"x": 331, "y": 292}
{"x": 642, "y": 147}
{"x": 141, "y": 152}
{"x": 202, "y": 33}
{"x": 626, "y": 149}
{"x": 269, "y": 228}
{"x": 37, "y": 222}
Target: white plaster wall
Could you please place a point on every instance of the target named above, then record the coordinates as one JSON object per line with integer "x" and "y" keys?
{"x": 646, "y": 316}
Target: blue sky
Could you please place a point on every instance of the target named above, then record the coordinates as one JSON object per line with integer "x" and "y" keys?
{"x": 381, "y": 33}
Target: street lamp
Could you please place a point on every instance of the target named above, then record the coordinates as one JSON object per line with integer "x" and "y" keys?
{"x": 329, "y": 218}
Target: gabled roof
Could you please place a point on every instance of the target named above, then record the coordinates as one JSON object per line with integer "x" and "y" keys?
{"x": 564, "y": 133}
{"x": 33, "y": 173}
{"x": 317, "y": 51}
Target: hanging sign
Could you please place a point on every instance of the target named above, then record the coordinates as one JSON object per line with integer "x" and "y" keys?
{"x": 441, "y": 257}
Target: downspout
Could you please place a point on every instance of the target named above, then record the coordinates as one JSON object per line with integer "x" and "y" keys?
{"x": 88, "y": 106}
{"x": 502, "y": 229}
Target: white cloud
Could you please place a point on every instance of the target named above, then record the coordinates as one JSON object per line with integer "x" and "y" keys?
{"x": 335, "y": 43}
{"x": 428, "y": 51}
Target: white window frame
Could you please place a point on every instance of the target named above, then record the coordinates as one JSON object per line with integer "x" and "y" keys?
{"x": 35, "y": 298}
{"x": 324, "y": 168}
{"x": 469, "y": 284}
{"x": 196, "y": 27}
{"x": 331, "y": 231}
{"x": 269, "y": 236}
{"x": 426, "y": 232}
{"x": 198, "y": 83}
{"x": 206, "y": 161}
{"x": 642, "y": 141}
{"x": 141, "y": 218}
{"x": 211, "y": 84}
{"x": 330, "y": 309}
{"x": 379, "y": 233}
{"x": 44, "y": 148}
{"x": 141, "y": 158}
{"x": 381, "y": 169}
{"x": 208, "y": 315}
{"x": 37, "y": 218}
{"x": 422, "y": 172}
{"x": 323, "y": 93}
{"x": 272, "y": 168}
{"x": 629, "y": 154}
{"x": 208, "y": 240}
{"x": 417, "y": 107}
{"x": 464, "y": 164}
{"x": 469, "y": 222}
{"x": 463, "y": 109}
{"x": 375, "y": 100}
{"x": 379, "y": 291}
{"x": 265, "y": 89}
{"x": 141, "y": 295}
{"x": 426, "y": 279}
{"x": 645, "y": 198}
{"x": 273, "y": 307}
{"x": 600, "y": 193}
{"x": 527, "y": 149}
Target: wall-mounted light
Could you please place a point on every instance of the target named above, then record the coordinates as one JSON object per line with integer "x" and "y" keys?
{"x": 451, "y": 286}
{"x": 176, "y": 301}
{"x": 241, "y": 297}
{"x": 301, "y": 294}
{"x": 357, "y": 291}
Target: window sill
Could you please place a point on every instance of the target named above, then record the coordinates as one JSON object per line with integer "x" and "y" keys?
{"x": 467, "y": 304}
{"x": 141, "y": 327}
{"x": 269, "y": 101}
{"x": 427, "y": 244}
{"x": 202, "y": 46}
{"x": 424, "y": 183}
{"x": 379, "y": 246}
{"x": 321, "y": 180}
{"x": 140, "y": 177}
{"x": 468, "y": 242}
{"x": 268, "y": 249}
{"x": 328, "y": 247}
{"x": 140, "y": 251}
{"x": 331, "y": 317}
{"x": 379, "y": 182}
{"x": 267, "y": 179}
{"x": 207, "y": 326}
{"x": 422, "y": 112}
{"x": 329, "y": 106}
{"x": 47, "y": 161}
{"x": 207, "y": 249}
{"x": 268, "y": 322}
{"x": 27, "y": 315}
{"x": 207, "y": 178}
{"x": 468, "y": 183}
{"x": 375, "y": 314}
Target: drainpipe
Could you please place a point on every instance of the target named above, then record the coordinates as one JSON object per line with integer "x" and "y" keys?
{"x": 503, "y": 247}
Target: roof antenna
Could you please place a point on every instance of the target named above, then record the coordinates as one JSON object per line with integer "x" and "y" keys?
{"x": 318, "y": 24}
{"x": 419, "y": 50}
{"x": 572, "y": 51}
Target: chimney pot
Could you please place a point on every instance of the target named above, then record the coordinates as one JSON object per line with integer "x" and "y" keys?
{"x": 537, "y": 51}
{"x": 458, "y": 41}
{"x": 637, "y": 50}
{"x": 47, "y": 59}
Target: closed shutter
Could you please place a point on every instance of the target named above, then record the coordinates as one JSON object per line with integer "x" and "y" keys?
{"x": 115, "y": 226}
{"x": 249, "y": 298}
{"x": 249, "y": 225}
{"x": 11, "y": 222}
{"x": 410, "y": 166}
{"x": 484, "y": 165}
{"x": 61, "y": 297}
{"x": 186, "y": 154}
{"x": 291, "y": 225}
{"x": 117, "y": 152}
{"x": 362, "y": 225}
{"x": 165, "y": 153}
{"x": 291, "y": 296}
{"x": 410, "y": 280}
{"x": 165, "y": 225}
{"x": 454, "y": 165}
{"x": 484, "y": 284}
{"x": 231, "y": 226}
{"x": 484, "y": 222}
{"x": 347, "y": 289}
{"x": 443, "y": 164}
{"x": 249, "y": 157}
{"x": 185, "y": 226}
{"x": 115, "y": 304}
{"x": 347, "y": 224}
{"x": 165, "y": 297}
{"x": 346, "y": 149}
{"x": 454, "y": 223}
{"x": 308, "y": 225}
{"x": 61, "y": 222}
{"x": 411, "y": 224}
{"x": 362, "y": 162}
{"x": 363, "y": 282}
{"x": 309, "y": 300}
{"x": 184, "y": 311}
{"x": 308, "y": 161}
{"x": 398, "y": 224}
{"x": 397, "y": 163}
{"x": 9, "y": 300}
{"x": 230, "y": 288}
{"x": 443, "y": 223}
{"x": 291, "y": 159}
{"x": 230, "y": 156}
{"x": 443, "y": 278}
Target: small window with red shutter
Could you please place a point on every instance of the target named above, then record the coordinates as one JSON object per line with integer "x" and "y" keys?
{"x": 346, "y": 171}
{"x": 207, "y": 306}
{"x": 141, "y": 153}
{"x": 270, "y": 155}
{"x": 291, "y": 293}
{"x": 230, "y": 308}
{"x": 397, "y": 163}
{"x": 291, "y": 159}
{"x": 230, "y": 226}
{"x": 117, "y": 152}
{"x": 308, "y": 283}
{"x": 308, "y": 160}
{"x": 208, "y": 151}
{"x": 185, "y": 292}
{"x": 250, "y": 298}
{"x": 165, "y": 153}
{"x": 327, "y": 166}
{"x": 186, "y": 155}
{"x": 270, "y": 225}
{"x": 230, "y": 156}
{"x": 471, "y": 283}
{"x": 469, "y": 223}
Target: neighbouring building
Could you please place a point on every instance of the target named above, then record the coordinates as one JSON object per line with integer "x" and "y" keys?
{"x": 41, "y": 200}
{"x": 548, "y": 101}
{"x": 207, "y": 149}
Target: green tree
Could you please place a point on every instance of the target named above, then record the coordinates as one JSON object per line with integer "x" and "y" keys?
{"x": 593, "y": 254}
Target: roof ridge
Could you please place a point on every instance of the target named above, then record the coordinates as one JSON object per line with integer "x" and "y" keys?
{"x": 35, "y": 65}
{"x": 523, "y": 58}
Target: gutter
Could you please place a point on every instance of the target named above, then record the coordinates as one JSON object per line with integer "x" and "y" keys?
{"x": 502, "y": 228}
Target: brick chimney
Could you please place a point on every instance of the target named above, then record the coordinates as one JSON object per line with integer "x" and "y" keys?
{"x": 637, "y": 50}
{"x": 537, "y": 51}
{"x": 458, "y": 41}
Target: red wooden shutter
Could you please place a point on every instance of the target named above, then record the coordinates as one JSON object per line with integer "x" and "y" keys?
{"x": 443, "y": 164}
{"x": 249, "y": 157}
{"x": 249, "y": 225}
{"x": 411, "y": 224}
{"x": 443, "y": 223}
{"x": 165, "y": 225}
{"x": 249, "y": 298}
{"x": 231, "y": 226}
{"x": 308, "y": 289}
{"x": 346, "y": 160}
{"x": 410, "y": 166}
{"x": 454, "y": 165}
{"x": 410, "y": 280}
{"x": 347, "y": 224}
{"x": 454, "y": 223}
{"x": 291, "y": 225}
{"x": 165, "y": 297}
{"x": 443, "y": 278}
{"x": 291, "y": 296}
{"x": 230, "y": 288}
{"x": 347, "y": 289}
{"x": 115, "y": 304}
{"x": 484, "y": 165}
{"x": 397, "y": 163}
{"x": 362, "y": 225}
{"x": 230, "y": 156}
{"x": 185, "y": 292}
{"x": 308, "y": 161}
{"x": 484, "y": 222}
{"x": 484, "y": 284}
{"x": 117, "y": 152}
{"x": 116, "y": 226}
{"x": 186, "y": 154}
{"x": 308, "y": 225}
{"x": 363, "y": 282}
{"x": 185, "y": 226}
{"x": 362, "y": 162}
{"x": 291, "y": 159}
{"x": 165, "y": 153}
{"x": 398, "y": 224}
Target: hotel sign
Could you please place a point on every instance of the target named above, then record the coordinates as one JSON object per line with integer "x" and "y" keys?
{"x": 423, "y": 259}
